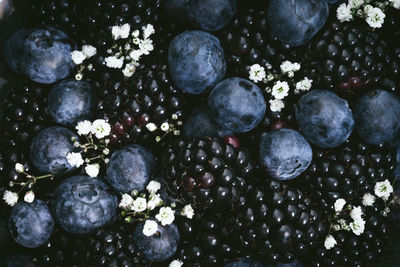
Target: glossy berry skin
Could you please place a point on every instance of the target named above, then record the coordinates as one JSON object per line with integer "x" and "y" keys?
{"x": 82, "y": 204}
{"x": 244, "y": 262}
{"x": 70, "y": 101}
{"x": 376, "y": 114}
{"x": 196, "y": 61}
{"x": 41, "y": 54}
{"x": 296, "y": 22}
{"x": 201, "y": 124}
{"x": 49, "y": 149}
{"x": 324, "y": 118}
{"x": 130, "y": 168}
{"x": 285, "y": 153}
{"x": 237, "y": 104}
{"x": 211, "y": 15}
{"x": 31, "y": 224}
{"x": 159, "y": 247}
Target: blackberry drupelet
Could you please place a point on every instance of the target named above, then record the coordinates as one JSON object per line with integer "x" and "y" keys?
{"x": 206, "y": 172}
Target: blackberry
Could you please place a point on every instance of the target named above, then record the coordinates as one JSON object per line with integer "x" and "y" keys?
{"x": 206, "y": 172}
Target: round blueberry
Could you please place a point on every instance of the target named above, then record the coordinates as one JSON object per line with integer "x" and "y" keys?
{"x": 82, "y": 204}
{"x": 131, "y": 168}
{"x": 324, "y": 118}
{"x": 41, "y": 54}
{"x": 285, "y": 153}
{"x": 49, "y": 149}
{"x": 196, "y": 61}
{"x": 296, "y": 22}
{"x": 71, "y": 101}
{"x": 31, "y": 224}
{"x": 159, "y": 247}
{"x": 237, "y": 104}
{"x": 376, "y": 115}
{"x": 244, "y": 262}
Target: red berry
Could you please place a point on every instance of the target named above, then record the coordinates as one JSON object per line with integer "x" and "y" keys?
{"x": 232, "y": 140}
{"x": 207, "y": 180}
{"x": 189, "y": 183}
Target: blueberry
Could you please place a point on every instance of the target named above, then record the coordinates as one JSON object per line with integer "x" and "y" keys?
{"x": 211, "y": 15}
{"x": 295, "y": 263}
{"x": 71, "y": 101}
{"x": 131, "y": 168}
{"x": 42, "y": 54}
{"x": 201, "y": 124}
{"x": 196, "y": 61}
{"x": 324, "y": 118}
{"x": 296, "y": 22}
{"x": 244, "y": 262}
{"x": 82, "y": 204}
{"x": 377, "y": 114}
{"x": 31, "y": 224}
{"x": 49, "y": 149}
{"x": 285, "y": 153}
{"x": 237, "y": 104}
{"x": 159, "y": 247}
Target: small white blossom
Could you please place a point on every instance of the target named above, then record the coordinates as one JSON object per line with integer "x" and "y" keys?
{"x": 129, "y": 70}
{"x": 175, "y": 263}
{"x": 147, "y": 31}
{"x": 166, "y": 216}
{"x": 146, "y": 46}
{"x": 74, "y": 159}
{"x": 270, "y": 77}
{"x": 89, "y": 50}
{"x": 343, "y": 13}
{"x": 375, "y": 17}
{"x": 84, "y": 127}
{"x": 383, "y": 189}
{"x": 290, "y": 74}
{"x": 19, "y": 168}
{"x": 356, "y": 213}
{"x": 280, "y": 90}
{"x": 29, "y": 196}
{"x": 330, "y": 242}
{"x": 367, "y": 8}
{"x": 257, "y": 73}
{"x": 286, "y": 66}
{"x": 276, "y": 105}
{"x": 296, "y": 66}
{"x": 135, "y": 54}
{"x": 92, "y": 169}
{"x": 154, "y": 201}
{"x": 126, "y": 202}
{"x": 368, "y": 199}
{"x": 355, "y": 3}
{"x": 151, "y": 127}
{"x": 135, "y": 34}
{"x": 339, "y": 204}
{"x": 77, "y": 57}
{"x": 139, "y": 204}
{"x": 114, "y": 62}
{"x": 165, "y": 126}
{"x": 78, "y": 76}
{"x": 121, "y": 32}
{"x": 153, "y": 186}
{"x": 150, "y": 228}
{"x": 101, "y": 128}
{"x": 304, "y": 85}
{"x": 358, "y": 227}
{"x": 11, "y": 198}
{"x": 188, "y": 211}
{"x": 395, "y": 3}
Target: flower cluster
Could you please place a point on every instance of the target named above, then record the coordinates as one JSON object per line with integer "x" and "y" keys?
{"x": 142, "y": 207}
{"x": 99, "y": 129}
{"x": 166, "y": 127}
{"x": 373, "y": 15}
{"x": 276, "y": 85}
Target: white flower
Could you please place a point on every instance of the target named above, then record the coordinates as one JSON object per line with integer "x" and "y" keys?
{"x": 304, "y": 85}
{"x": 166, "y": 216}
{"x": 375, "y": 17}
{"x": 129, "y": 70}
{"x": 135, "y": 34}
{"x": 89, "y": 50}
{"x": 11, "y": 198}
{"x": 151, "y": 127}
{"x": 153, "y": 187}
{"x": 276, "y": 105}
{"x": 121, "y": 32}
{"x": 146, "y": 46}
{"x": 358, "y": 227}
{"x": 77, "y": 57}
{"x": 114, "y": 62}
{"x": 147, "y": 31}
{"x": 330, "y": 242}
{"x": 19, "y": 168}
{"x": 296, "y": 66}
{"x": 356, "y": 213}
{"x": 286, "y": 66}
{"x": 368, "y": 199}
{"x": 150, "y": 228}
{"x": 188, "y": 211}
{"x": 175, "y": 263}
{"x": 78, "y": 76}
{"x": 126, "y": 202}
{"x": 367, "y": 8}
{"x": 154, "y": 201}
{"x": 29, "y": 196}
{"x": 383, "y": 189}
{"x": 290, "y": 74}
{"x": 165, "y": 126}
{"x": 84, "y": 127}
{"x": 355, "y": 3}
{"x": 280, "y": 90}
{"x": 135, "y": 54}
{"x": 343, "y": 13}
{"x": 339, "y": 204}
{"x": 74, "y": 159}
{"x": 257, "y": 73}
{"x": 395, "y": 3}
{"x": 101, "y": 128}
{"x": 92, "y": 169}
{"x": 140, "y": 204}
